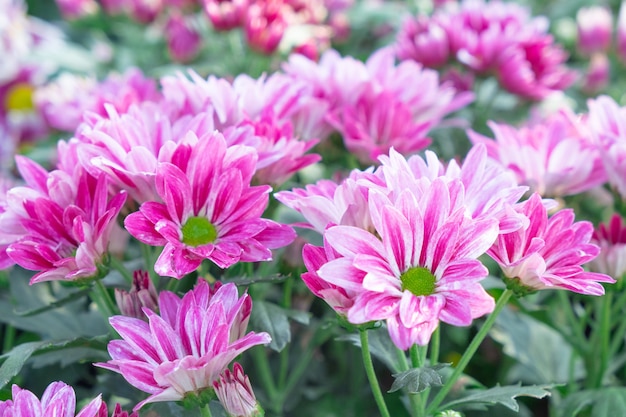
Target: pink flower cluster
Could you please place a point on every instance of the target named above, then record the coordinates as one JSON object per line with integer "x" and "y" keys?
{"x": 555, "y": 157}
{"x": 301, "y": 26}
{"x": 378, "y": 105}
{"x": 401, "y": 243}
{"x": 183, "y": 351}
{"x": 489, "y": 37}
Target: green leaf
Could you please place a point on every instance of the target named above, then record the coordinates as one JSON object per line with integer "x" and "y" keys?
{"x": 271, "y": 318}
{"x": 381, "y": 346}
{"x": 603, "y": 402}
{"x": 500, "y": 395}
{"x": 543, "y": 355}
{"x": 418, "y": 379}
{"x": 55, "y": 304}
{"x": 17, "y": 357}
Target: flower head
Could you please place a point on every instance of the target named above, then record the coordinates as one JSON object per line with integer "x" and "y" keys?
{"x": 422, "y": 268}
{"x": 554, "y": 157}
{"x": 595, "y": 27}
{"x": 611, "y": 238}
{"x": 549, "y": 252}
{"x": 182, "y": 352}
{"x": 57, "y": 400}
{"x": 60, "y": 223}
{"x": 209, "y": 209}
{"x": 142, "y": 294}
{"x": 234, "y": 391}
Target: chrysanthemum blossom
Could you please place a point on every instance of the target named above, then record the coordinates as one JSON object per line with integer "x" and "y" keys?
{"x": 5, "y": 185}
{"x": 548, "y": 254}
{"x": 607, "y": 123}
{"x": 209, "y": 210}
{"x": 611, "y": 238}
{"x": 595, "y": 27}
{"x": 234, "y": 391}
{"x": 58, "y": 399}
{"x": 418, "y": 268}
{"x": 620, "y": 38}
{"x": 59, "y": 224}
{"x": 142, "y": 294}
{"x": 554, "y": 157}
{"x": 182, "y": 352}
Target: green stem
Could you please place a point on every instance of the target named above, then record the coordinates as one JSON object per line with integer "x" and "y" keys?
{"x": 147, "y": 252}
{"x": 434, "y": 346}
{"x": 604, "y": 338}
{"x": 371, "y": 375}
{"x": 205, "y": 411}
{"x": 119, "y": 266}
{"x": 416, "y": 357}
{"x": 9, "y": 338}
{"x": 578, "y": 338}
{"x": 265, "y": 374}
{"x": 469, "y": 353}
{"x": 284, "y": 354}
{"x": 415, "y": 400}
{"x": 100, "y": 295}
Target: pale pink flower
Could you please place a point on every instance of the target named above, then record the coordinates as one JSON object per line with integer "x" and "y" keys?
{"x": 76, "y": 9}
{"x": 611, "y": 238}
{"x": 607, "y": 122}
{"x": 234, "y": 391}
{"x": 418, "y": 268}
{"x": 183, "y": 351}
{"x": 226, "y": 14}
{"x": 210, "y": 211}
{"x": 64, "y": 101}
{"x": 595, "y": 27}
{"x": 59, "y": 224}
{"x": 555, "y": 157}
{"x": 5, "y": 185}
{"x": 142, "y": 294}
{"x": 548, "y": 254}
{"x": 58, "y": 399}
{"x": 534, "y": 67}
{"x": 598, "y": 74}
{"x": 424, "y": 40}
{"x": 183, "y": 41}
{"x": 128, "y": 147}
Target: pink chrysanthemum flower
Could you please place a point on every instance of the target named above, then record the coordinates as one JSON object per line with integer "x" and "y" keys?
{"x": 210, "y": 211}
{"x": 418, "y": 268}
{"x": 64, "y": 101}
{"x": 595, "y": 27}
{"x": 76, "y": 9}
{"x": 58, "y": 399}
{"x": 142, "y": 294}
{"x": 611, "y": 238}
{"x": 5, "y": 186}
{"x": 534, "y": 68}
{"x": 183, "y": 40}
{"x": 424, "y": 40}
{"x": 226, "y": 14}
{"x": 234, "y": 391}
{"x": 548, "y": 254}
{"x": 182, "y": 352}
{"x": 554, "y": 157}
{"x": 607, "y": 122}
{"x": 60, "y": 223}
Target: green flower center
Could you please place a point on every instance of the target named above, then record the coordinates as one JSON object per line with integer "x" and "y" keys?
{"x": 198, "y": 231}
{"x": 418, "y": 280}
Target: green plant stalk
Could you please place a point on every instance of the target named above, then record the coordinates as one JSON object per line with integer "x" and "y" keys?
{"x": 415, "y": 400}
{"x": 577, "y": 339}
{"x": 265, "y": 373}
{"x": 434, "y": 346}
{"x": 205, "y": 411}
{"x": 604, "y": 339}
{"x": 469, "y": 352}
{"x": 284, "y": 354}
{"x": 371, "y": 375}
{"x": 100, "y": 295}
{"x": 119, "y": 266}
{"x": 9, "y": 338}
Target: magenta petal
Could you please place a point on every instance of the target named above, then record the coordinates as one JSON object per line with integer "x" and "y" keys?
{"x": 350, "y": 241}
{"x": 173, "y": 187}
{"x": 143, "y": 229}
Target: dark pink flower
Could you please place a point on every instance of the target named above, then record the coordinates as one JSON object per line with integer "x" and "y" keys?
{"x": 59, "y": 224}
{"x": 548, "y": 254}
{"x": 57, "y": 400}
{"x": 183, "y": 351}
{"x": 595, "y": 27}
{"x": 75, "y": 9}
{"x": 210, "y": 211}
{"x": 598, "y": 74}
{"x": 183, "y": 41}
{"x": 424, "y": 40}
{"x": 226, "y": 14}
{"x": 265, "y": 24}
